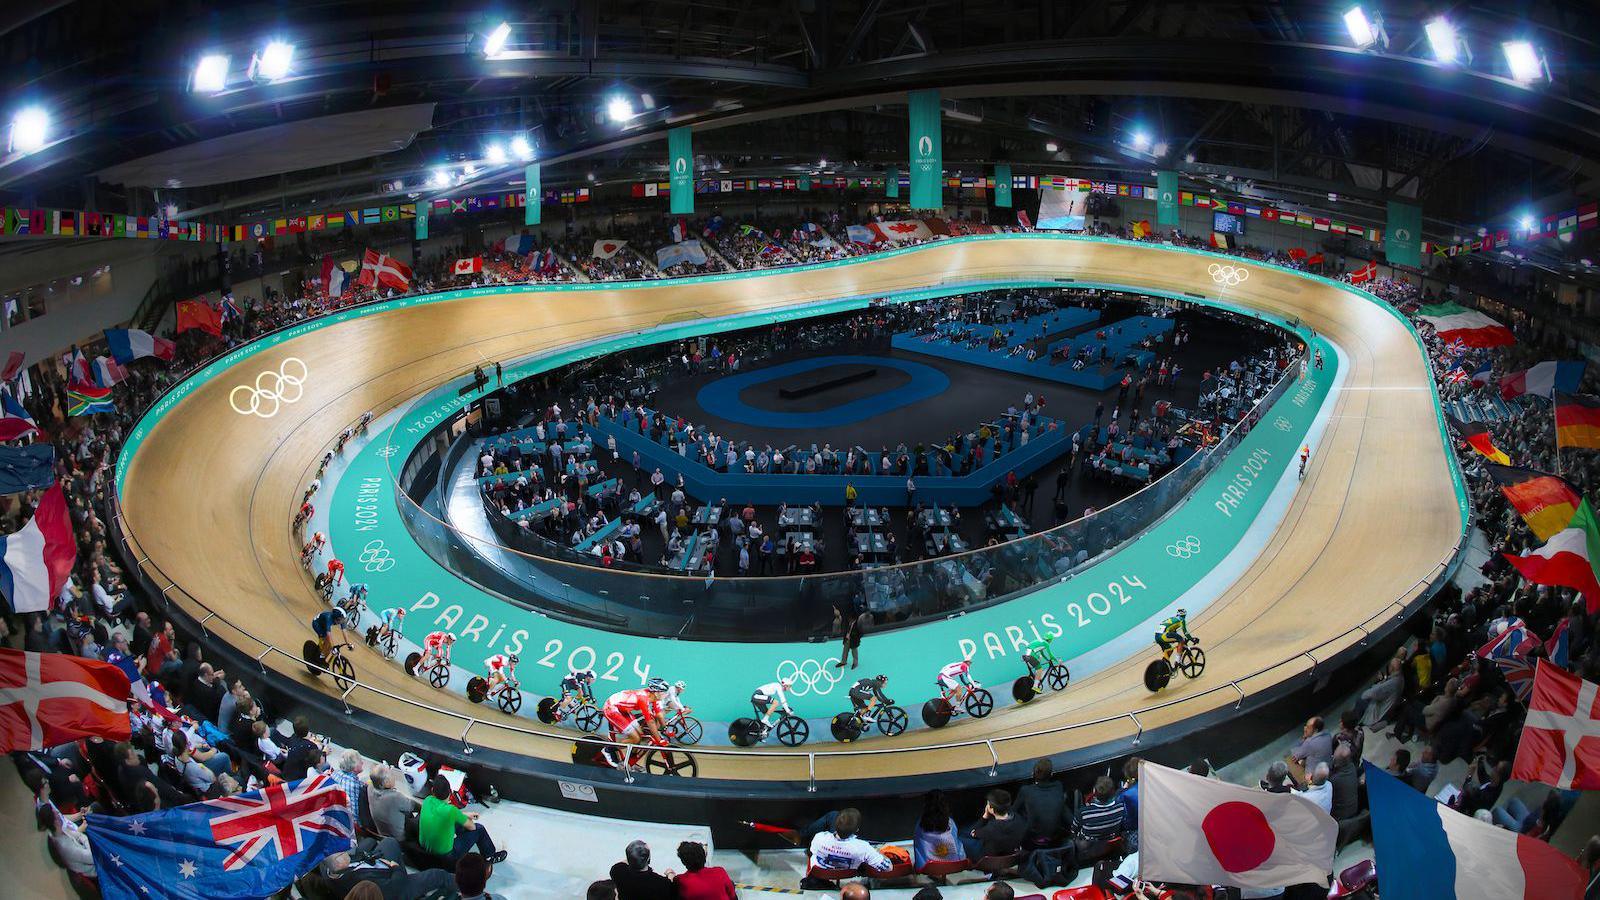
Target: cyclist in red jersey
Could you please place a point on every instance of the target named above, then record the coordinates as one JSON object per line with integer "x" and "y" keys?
{"x": 624, "y": 712}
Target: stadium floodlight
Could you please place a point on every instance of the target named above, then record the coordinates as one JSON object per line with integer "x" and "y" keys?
{"x": 468, "y": 170}
{"x": 495, "y": 153}
{"x": 619, "y": 109}
{"x": 822, "y": 164}
{"x": 1051, "y": 146}
{"x": 1364, "y": 31}
{"x": 1526, "y": 223}
{"x": 522, "y": 147}
{"x": 1448, "y": 45}
{"x": 1160, "y": 148}
{"x": 210, "y": 74}
{"x": 30, "y": 128}
{"x": 440, "y": 178}
{"x": 495, "y": 43}
{"x": 1189, "y": 158}
{"x": 1140, "y": 141}
{"x": 1525, "y": 62}
{"x": 272, "y": 63}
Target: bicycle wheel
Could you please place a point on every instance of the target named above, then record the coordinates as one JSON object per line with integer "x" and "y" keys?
{"x": 1157, "y": 675}
{"x": 1057, "y": 676}
{"x": 1194, "y": 662}
{"x": 793, "y": 731}
{"x": 510, "y": 700}
{"x": 1022, "y": 689}
{"x": 546, "y": 710}
{"x": 980, "y": 703}
{"x": 588, "y": 719}
{"x": 936, "y": 713}
{"x": 666, "y": 761}
{"x": 412, "y": 660}
{"x": 845, "y": 727}
{"x": 343, "y": 672}
{"x": 690, "y": 731}
{"x": 477, "y": 688}
{"x": 439, "y": 675}
{"x": 892, "y": 720}
{"x": 744, "y": 732}
{"x": 391, "y": 643}
{"x": 312, "y": 655}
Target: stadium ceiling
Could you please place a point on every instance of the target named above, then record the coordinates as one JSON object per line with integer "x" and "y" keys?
{"x": 1272, "y": 97}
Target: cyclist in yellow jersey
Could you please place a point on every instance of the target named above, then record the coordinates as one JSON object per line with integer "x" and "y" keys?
{"x": 1171, "y": 631}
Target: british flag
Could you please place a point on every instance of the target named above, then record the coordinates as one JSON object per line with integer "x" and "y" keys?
{"x": 275, "y": 817}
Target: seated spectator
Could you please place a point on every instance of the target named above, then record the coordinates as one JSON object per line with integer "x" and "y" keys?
{"x": 446, "y": 831}
{"x": 382, "y": 863}
{"x": 1317, "y": 788}
{"x": 346, "y": 773}
{"x": 599, "y": 890}
{"x": 1098, "y": 820}
{"x": 935, "y": 836}
{"x": 1316, "y": 745}
{"x": 1422, "y": 772}
{"x": 69, "y": 842}
{"x": 1042, "y": 803}
{"x": 634, "y": 878}
{"x": 838, "y": 849}
{"x": 1129, "y": 795}
{"x": 472, "y": 879}
{"x": 699, "y": 881}
{"x": 392, "y": 809}
{"x": 998, "y": 833}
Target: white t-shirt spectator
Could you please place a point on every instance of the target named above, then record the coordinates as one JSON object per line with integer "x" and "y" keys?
{"x": 1321, "y": 795}
{"x": 829, "y": 851}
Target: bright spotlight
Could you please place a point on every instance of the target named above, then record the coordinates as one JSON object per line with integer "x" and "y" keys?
{"x": 30, "y": 128}
{"x": 1189, "y": 158}
{"x": 1051, "y": 146}
{"x": 1160, "y": 148}
{"x": 1140, "y": 141}
{"x": 468, "y": 170}
{"x": 495, "y": 153}
{"x": 496, "y": 41}
{"x": 522, "y": 148}
{"x": 619, "y": 109}
{"x": 439, "y": 178}
{"x": 1364, "y": 32}
{"x": 1525, "y": 223}
{"x": 1525, "y": 63}
{"x": 823, "y": 164}
{"x": 210, "y": 74}
{"x": 273, "y": 61}
{"x": 1444, "y": 39}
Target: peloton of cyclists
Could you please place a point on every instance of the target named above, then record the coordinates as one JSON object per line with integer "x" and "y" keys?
{"x": 576, "y": 686}
{"x": 1171, "y": 632}
{"x": 502, "y": 670}
{"x": 768, "y": 699}
{"x": 633, "y": 714}
{"x": 955, "y": 680}
{"x": 435, "y": 646}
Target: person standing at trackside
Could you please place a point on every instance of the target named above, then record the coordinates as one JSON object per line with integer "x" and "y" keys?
{"x": 854, "y": 627}
{"x": 911, "y": 493}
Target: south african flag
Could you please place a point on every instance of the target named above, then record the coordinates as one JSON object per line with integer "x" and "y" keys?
{"x": 86, "y": 400}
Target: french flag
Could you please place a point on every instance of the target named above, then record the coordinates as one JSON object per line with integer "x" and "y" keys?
{"x": 108, "y": 372}
{"x": 680, "y": 231}
{"x": 1427, "y": 849}
{"x": 129, "y": 344}
{"x": 35, "y": 561}
{"x": 1544, "y": 379}
{"x": 14, "y": 419}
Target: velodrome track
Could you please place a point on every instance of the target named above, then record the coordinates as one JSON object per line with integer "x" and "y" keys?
{"x": 208, "y": 494}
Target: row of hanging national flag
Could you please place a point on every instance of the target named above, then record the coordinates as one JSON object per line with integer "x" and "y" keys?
{"x": 22, "y": 221}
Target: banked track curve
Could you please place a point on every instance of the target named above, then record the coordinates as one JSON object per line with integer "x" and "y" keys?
{"x": 206, "y": 493}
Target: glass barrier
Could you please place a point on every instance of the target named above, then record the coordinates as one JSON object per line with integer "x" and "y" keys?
{"x": 539, "y": 574}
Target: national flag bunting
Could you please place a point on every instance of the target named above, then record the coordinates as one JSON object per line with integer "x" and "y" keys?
{"x": 1577, "y": 420}
{"x": 1546, "y": 502}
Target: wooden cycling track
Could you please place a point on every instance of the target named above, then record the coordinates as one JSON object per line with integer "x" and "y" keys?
{"x": 209, "y": 495}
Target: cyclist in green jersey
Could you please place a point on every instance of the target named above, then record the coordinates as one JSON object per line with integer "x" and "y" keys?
{"x": 1171, "y": 632}
{"x": 1039, "y": 658}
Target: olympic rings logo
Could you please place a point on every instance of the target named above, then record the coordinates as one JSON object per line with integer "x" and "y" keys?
{"x": 388, "y": 451}
{"x": 809, "y": 676}
{"x": 1282, "y": 424}
{"x": 375, "y": 557}
{"x": 271, "y": 390}
{"x": 1228, "y": 276}
{"x": 1184, "y": 547}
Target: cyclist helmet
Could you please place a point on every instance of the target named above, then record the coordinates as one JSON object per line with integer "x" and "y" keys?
{"x": 680, "y": 686}
{"x": 513, "y": 658}
{"x": 786, "y": 682}
{"x": 656, "y": 685}
{"x": 585, "y": 675}
{"x": 881, "y": 679}
{"x": 338, "y": 613}
{"x": 449, "y": 638}
{"x": 1183, "y": 613}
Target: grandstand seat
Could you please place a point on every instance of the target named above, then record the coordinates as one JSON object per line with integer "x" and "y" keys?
{"x": 995, "y": 866}
{"x": 814, "y": 874}
{"x": 940, "y": 869}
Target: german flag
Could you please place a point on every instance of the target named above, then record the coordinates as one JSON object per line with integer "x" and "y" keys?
{"x": 1481, "y": 439}
{"x": 1577, "y": 421}
{"x": 1546, "y": 502}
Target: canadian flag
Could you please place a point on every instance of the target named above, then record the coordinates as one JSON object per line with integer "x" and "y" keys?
{"x": 384, "y": 271}
{"x": 470, "y": 266}
{"x": 1560, "y": 743}
{"x": 1193, "y": 830}
{"x": 48, "y": 699}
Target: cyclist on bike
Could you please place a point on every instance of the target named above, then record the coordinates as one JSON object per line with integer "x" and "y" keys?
{"x": 1038, "y": 657}
{"x": 768, "y": 698}
{"x": 335, "y": 571}
{"x": 624, "y": 712}
{"x": 390, "y": 620}
{"x": 323, "y": 626}
{"x": 867, "y": 694}
{"x": 673, "y": 701}
{"x": 435, "y": 646}
{"x": 502, "y": 669}
{"x": 576, "y": 687}
{"x": 1172, "y": 632}
{"x": 358, "y": 591}
{"x": 955, "y": 680}
{"x": 317, "y": 542}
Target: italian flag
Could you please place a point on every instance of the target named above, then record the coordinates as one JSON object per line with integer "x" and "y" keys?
{"x": 1568, "y": 559}
{"x": 1474, "y": 329}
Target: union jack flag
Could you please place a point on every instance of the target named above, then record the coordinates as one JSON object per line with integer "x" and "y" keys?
{"x": 1518, "y": 673}
{"x": 1456, "y": 347}
{"x": 1457, "y": 376}
{"x": 276, "y": 816}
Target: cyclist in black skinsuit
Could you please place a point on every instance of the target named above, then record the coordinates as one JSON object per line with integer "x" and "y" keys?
{"x": 868, "y": 693}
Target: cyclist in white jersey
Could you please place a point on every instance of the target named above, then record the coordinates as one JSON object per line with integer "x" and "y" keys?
{"x": 768, "y": 698}
{"x": 956, "y": 680}
{"x": 502, "y": 671}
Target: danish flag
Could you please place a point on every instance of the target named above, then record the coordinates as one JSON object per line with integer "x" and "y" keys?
{"x": 1560, "y": 743}
{"x": 276, "y": 816}
{"x": 47, "y": 699}
{"x": 385, "y": 271}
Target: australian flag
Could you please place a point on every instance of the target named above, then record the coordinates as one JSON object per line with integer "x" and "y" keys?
{"x": 249, "y": 845}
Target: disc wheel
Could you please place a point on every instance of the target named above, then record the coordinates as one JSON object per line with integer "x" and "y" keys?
{"x": 344, "y": 674}
{"x": 412, "y": 659}
{"x": 792, "y": 731}
{"x": 1157, "y": 675}
{"x": 936, "y": 713}
{"x": 588, "y": 719}
{"x": 1022, "y": 689}
{"x": 744, "y": 732}
{"x": 667, "y": 761}
{"x": 892, "y": 720}
{"x": 1057, "y": 676}
{"x": 510, "y": 699}
{"x": 690, "y": 731}
{"x": 845, "y": 727}
{"x": 546, "y": 710}
{"x": 979, "y": 703}
{"x": 439, "y": 675}
{"x": 1194, "y": 662}
{"x": 312, "y": 654}
{"x": 391, "y": 643}
{"x": 477, "y": 687}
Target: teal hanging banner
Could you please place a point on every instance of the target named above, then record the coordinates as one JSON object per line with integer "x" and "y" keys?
{"x": 1002, "y": 186}
{"x": 680, "y": 165}
{"x": 422, "y": 219}
{"x": 1402, "y": 240}
{"x": 1167, "y": 199}
{"x": 533, "y": 196}
{"x": 891, "y": 183}
{"x": 927, "y": 151}
{"x": 805, "y": 184}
